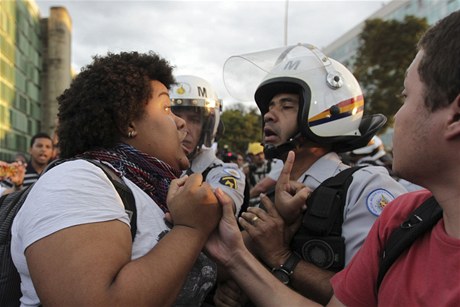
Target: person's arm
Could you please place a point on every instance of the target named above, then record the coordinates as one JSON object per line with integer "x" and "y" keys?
{"x": 16, "y": 177}
{"x": 270, "y": 242}
{"x": 227, "y": 247}
{"x": 231, "y": 180}
{"x": 271, "y": 234}
{"x": 90, "y": 264}
{"x": 262, "y": 186}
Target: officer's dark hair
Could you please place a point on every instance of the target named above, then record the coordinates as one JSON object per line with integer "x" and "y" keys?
{"x": 439, "y": 68}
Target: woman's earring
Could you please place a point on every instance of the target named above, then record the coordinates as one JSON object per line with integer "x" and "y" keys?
{"x": 130, "y": 134}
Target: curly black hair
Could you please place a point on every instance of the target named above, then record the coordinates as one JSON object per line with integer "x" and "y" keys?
{"x": 109, "y": 93}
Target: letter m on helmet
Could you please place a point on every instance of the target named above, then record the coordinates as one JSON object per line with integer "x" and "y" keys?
{"x": 202, "y": 92}
{"x": 292, "y": 65}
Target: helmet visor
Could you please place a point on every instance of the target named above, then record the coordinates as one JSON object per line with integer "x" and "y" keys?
{"x": 243, "y": 73}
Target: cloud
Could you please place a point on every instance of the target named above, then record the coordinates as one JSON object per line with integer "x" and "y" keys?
{"x": 198, "y": 36}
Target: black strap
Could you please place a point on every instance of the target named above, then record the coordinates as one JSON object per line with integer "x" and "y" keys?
{"x": 206, "y": 171}
{"x": 122, "y": 189}
{"x": 420, "y": 220}
{"x": 324, "y": 213}
{"x": 125, "y": 193}
{"x": 12, "y": 202}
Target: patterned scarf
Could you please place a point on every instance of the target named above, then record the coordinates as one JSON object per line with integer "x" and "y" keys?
{"x": 150, "y": 174}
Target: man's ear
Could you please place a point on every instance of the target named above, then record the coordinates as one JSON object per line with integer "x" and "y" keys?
{"x": 453, "y": 126}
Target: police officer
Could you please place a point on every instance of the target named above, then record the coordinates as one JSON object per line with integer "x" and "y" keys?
{"x": 194, "y": 100}
{"x": 259, "y": 166}
{"x": 372, "y": 154}
{"x": 313, "y": 105}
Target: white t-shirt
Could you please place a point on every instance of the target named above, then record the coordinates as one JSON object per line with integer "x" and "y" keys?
{"x": 78, "y": 192}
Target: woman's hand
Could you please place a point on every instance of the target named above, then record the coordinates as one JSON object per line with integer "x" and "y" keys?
{"x": 192, "y": 203}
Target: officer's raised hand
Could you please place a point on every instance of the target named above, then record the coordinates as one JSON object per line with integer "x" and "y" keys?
{"x": 290, "y": 196}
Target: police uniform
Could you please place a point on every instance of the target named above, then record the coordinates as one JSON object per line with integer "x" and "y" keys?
{"x": 258, "y": 172}
{"x": 277, "y": 167}
{"x": 371, "y": 189}
{"x": 226, "y": 176}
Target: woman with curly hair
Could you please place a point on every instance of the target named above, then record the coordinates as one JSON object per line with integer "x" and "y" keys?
{"x": 71, "y": 240}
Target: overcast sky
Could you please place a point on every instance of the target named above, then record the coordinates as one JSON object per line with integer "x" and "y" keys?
{"x": 198, "y": 36}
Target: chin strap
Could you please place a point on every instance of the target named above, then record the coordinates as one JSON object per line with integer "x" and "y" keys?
{"x": 272, "y": 151}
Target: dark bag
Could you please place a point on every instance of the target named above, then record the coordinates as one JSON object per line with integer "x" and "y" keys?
{"x": 10, "y": 289}
{"x": 319, "y": 239}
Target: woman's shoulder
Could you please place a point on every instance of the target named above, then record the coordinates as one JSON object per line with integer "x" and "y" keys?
{"x": 69, "y": 171}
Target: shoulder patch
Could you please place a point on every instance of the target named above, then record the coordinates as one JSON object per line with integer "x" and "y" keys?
{"x": 232, "y": 172}
{"x": 377, "y": 200}
{"x": 229, "y": 181}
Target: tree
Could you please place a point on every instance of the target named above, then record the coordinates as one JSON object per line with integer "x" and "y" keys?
{"x": 242, "y": 126}
{"x": 387, "y": 49}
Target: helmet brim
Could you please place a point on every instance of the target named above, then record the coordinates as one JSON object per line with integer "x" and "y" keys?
{"x": 369, "y": 126}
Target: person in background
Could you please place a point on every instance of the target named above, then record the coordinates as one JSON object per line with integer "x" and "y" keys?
{"x": 427, "y": 272}
{"x": 372, "y": 154}
{"x": 240, "y": 160}
{"x": 71, "y": 240}
{"x": 230, "y": 157}
{"x": 267, "y": 183}
{"x": 41, "y": 153}
{"x": 20, "y": 157}
{"x": 11, "y": 176}
{"x": 259, "y": 167}
{"x": 195, "y": 101}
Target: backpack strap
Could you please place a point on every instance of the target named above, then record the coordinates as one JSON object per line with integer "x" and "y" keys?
{"x": 206, "y": 171}
{"x": 420, "y": 221}
{"x": 122, "y": 189}
{"x": 125, "y": 193}
{"x": 17, "y": 198}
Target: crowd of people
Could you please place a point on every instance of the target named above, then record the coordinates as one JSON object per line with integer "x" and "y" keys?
{"x": 300, "y": 219}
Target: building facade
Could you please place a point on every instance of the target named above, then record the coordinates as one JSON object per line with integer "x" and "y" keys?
{"x": 34, "y": 69}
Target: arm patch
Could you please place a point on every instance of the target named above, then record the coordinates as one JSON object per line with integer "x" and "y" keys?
{"x": 229, "y": 181}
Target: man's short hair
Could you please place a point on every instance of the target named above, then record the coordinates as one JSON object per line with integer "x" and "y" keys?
{"x": 40, "y": 135}
{"x": 439, "y": 68}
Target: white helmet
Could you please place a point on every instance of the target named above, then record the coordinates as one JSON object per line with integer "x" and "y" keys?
{"x": 373, "y": 153}
{"x": 195, "y": 93}
{"x": 375, "y": 145}
{"x": 331, "y": 101}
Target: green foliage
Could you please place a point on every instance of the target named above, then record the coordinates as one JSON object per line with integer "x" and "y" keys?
{"x": 242, "y": 126}
{"x": 387, "y": 49}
